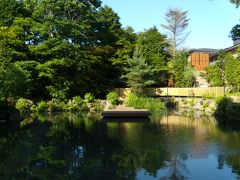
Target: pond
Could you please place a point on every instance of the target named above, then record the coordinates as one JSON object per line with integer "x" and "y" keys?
{"x": 75, "y": 146}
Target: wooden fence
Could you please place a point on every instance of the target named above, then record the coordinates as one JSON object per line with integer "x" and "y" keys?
{"x": 177, "y": 92}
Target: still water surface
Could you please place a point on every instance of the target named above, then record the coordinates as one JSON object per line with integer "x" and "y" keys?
{"x": 68, "y": 146}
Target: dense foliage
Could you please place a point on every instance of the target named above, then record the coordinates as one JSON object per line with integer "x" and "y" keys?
{"x": 140, "y": 102}
{"x": 60, "y": 49}
{"x": 227, "y": 110}
{"x": 215, "y": 73}
{"x": 183, "y": 74}
{"x": 153, "y": 47}
{"x": 225, "y": 72}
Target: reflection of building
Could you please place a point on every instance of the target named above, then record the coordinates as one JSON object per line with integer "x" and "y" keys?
{"x": 199, "y": 144}
{"x": 200, "y": 133}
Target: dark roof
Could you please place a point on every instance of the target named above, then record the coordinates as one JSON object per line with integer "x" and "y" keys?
{"x": 226, "y": 49}
{"x": 205, "y": 50}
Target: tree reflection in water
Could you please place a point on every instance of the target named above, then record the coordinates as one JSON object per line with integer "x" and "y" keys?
{"x": 71, "y": 146}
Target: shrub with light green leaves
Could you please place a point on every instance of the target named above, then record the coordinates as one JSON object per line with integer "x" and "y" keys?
{"x": 55, "y": 106}
{"x": 139, "y": 102}
{"x": 89, "y": 97}
{"x": 76, "y": 104}
{"x": 41, "y": 107}
{"x": 112, "y": 97}
{"x": 23, "y": 105}
{"x": 97, "y": 106}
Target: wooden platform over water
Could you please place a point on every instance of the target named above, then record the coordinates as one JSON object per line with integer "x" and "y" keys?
{"x": 125, "y": 112}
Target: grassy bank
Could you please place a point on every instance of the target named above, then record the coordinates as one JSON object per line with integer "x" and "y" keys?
{"x": 141, "y": 102}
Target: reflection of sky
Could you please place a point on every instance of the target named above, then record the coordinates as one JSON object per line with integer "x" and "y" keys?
{"x": 197, "y": 145}
{"x": 197, "y": 169}
{"x": 207, "y": 169}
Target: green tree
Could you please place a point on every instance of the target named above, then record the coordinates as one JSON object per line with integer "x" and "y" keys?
{"x": 68, "y": 47}
{"x": 15, "y": 82}
{"x": 212, "y": 75}
{"x": 74, "y": 42}
{"x": 139, "y": 74}
{"x": 235, "y": 32}
{"x": 215, "y": 74}
{"x": 9, "y": 9}
{"x": 124, "y": 50}
{"x": 232, "y": 72}
{"x": 182, "y": 72}
{"x": 152, "y": 46}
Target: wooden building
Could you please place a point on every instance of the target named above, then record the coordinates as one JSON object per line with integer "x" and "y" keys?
{"x": 200, "y": 58}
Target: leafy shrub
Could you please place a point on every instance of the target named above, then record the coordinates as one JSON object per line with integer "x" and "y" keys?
{"x": 42, "y": 106}
{"x": 207, "y": 96}
{"x": 184, "y": 101}
{"x": 112, "y": 97}
{"x": 191, "y": 102}
{"x": 233, "y": 111}
{"x": 97, "y": 106}
{"x": 205, "y": 105}
{"x": 55, "y": 106}
{"x": 89, "y": 97}
{"x": 76, "y": 104}
{"x": 23, "y": 105}
{"x": 227, "y": 110}
{"x": 139, "y": 102}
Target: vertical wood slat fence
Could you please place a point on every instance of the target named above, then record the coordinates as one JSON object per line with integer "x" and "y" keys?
{"x": 177, "y": 92}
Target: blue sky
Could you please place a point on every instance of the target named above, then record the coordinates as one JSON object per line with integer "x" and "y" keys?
{"x": 209, "y": 25}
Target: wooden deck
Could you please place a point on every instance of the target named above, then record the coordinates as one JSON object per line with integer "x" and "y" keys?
{"x": 121, "y": 111}
{"x": 126, "y": 113}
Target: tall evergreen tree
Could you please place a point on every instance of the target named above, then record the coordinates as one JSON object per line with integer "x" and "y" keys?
{"x": 153, "y": 46}
{"x": 139, "y": 74}
{"x": 182, "y": 71}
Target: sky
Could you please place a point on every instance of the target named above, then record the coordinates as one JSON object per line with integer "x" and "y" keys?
{"x": 209, "y": 25}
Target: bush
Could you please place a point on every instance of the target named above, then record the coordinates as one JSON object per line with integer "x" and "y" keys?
{"x": 112, "y": 97}
{"x": 41, "y": 107}
{"x": 207, "y": 96}
{"x": 23, "y": 105}
{"x": 76, "y": 104}
{"x": 97, "y": 106}
{"x": 139, "y": 102}
{"x": 227, "y": 110}
{"x": 55, "y": 106}
{"x": 184, "y": 101}
{"x": 88, "y": 98}
{"x": 191, "y": 102}
{"x": 205, "y": 105}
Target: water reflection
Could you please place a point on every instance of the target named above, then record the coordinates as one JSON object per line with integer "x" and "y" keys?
{"x": 77, "y": 146}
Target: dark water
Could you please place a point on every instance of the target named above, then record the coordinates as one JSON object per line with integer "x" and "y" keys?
{"x": 68, "y": 146}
